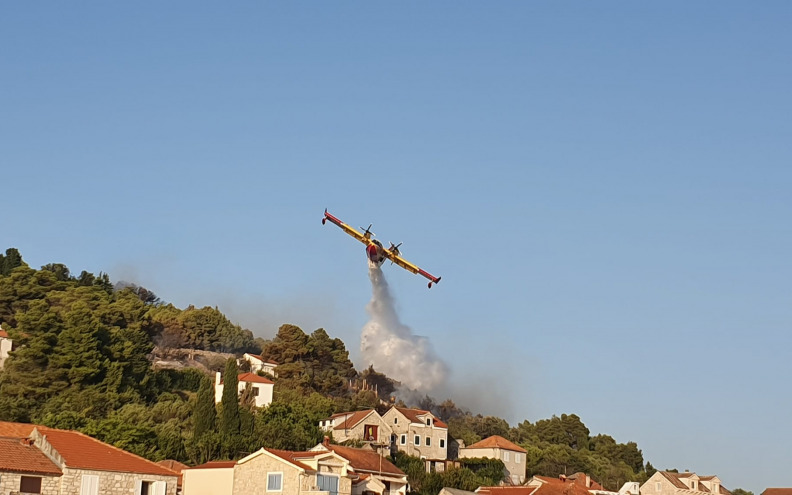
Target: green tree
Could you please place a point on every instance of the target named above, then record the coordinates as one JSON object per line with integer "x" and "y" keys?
{"x": 205, "y": 416}
{"x": 229, "y": 418}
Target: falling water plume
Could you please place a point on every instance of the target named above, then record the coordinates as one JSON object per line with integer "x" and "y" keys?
{"x": 392, "y": 348}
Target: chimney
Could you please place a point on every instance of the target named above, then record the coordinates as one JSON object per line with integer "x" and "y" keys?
{"x": 326, "y": 441}
{"x": 588, "y": 481}
{"x": 562, "y": 477}
{"x": 217, "y": 378}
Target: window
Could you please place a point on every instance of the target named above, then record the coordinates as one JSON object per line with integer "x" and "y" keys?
{"x": 274, "y": 482}
{"x": 517, "y": 458}
{"x": 30, "y": 484}
{"x": 417, "y": 440}
{"x": 428, "y": 421}
{"x": 370, "y": 433}
{"x": 255, "y": 391}
{"x": 327, "y": 483}
{"x": 658, "y": 486}
{"x": 395, "y": 421}
{"x": 505, "y": 456}
{"x": 693, "y": 485}
{"x": 428, "y": 441}
{"x": 403, "y": 440}
{"x": 442, "y": 443}
{"x": 90, "y": 485}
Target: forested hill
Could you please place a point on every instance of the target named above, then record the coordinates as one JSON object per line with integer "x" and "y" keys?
{"x": 82, "y": 360}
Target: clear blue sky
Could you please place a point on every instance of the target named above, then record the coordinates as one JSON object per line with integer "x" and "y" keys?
{"x": 603, "y": 186}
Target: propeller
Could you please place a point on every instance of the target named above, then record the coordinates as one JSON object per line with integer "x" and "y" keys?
{"x": 395, "y": 249}
{"x": 368, "y": 233}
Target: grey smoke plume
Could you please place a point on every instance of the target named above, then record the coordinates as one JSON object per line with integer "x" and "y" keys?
{"x": 392, "y": 348}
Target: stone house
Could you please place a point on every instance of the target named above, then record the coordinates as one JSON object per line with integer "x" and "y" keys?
{"x": 91, "y": 467}
{"x": 258, "y": 363}
{"x": 687, "y": 483}
{"x": 5, "y": 346}
{"x": 25, "y": 469}
{"x": 367, "y": 426}
{"x": 261, "y": 387}
{"x": 497, "y": 447}
{"x": 375, "y": 475}
{"x": 324, "y": 470}
{"x": 418, "y": 433}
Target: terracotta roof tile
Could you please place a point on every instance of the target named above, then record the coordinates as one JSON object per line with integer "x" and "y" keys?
{"x": 674, "y": 479}
{"x": 293, "y": 457}
{"x": 506, "y": 490}
{"x": 412, "y": 415}
{"x": 19, "y": 456}
{"x": 253, "y": 378}
{"x": 555, "y": 486}
{"x": 366, "y": 460}
{"x": 215, "y": 465}
{"x": 174, "y": 466}
{"x": 3, "y": 333}
{"x": 496, "y": 441}
{"x": 351, "y": 421}
{"x": 83, "y": 452}
{"x": 777, "y": 491}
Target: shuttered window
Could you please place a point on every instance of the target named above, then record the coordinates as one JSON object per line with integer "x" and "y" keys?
{"x": 89, "y": 485}
{"x": 30, "y": 484}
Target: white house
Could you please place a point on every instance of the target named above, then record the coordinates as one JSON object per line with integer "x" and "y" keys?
{"x": 262, "y": 388}
{"x": 687, "y": 483}
{"x": 258, "y": 363}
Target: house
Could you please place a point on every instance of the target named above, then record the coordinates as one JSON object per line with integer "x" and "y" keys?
{"x": 324, "y": 470}
{"x": 777, "y": 491}
{"x": 367, "y": 426}
{"x": 376, "y": 475}
{"x": 5, "y": 346}
{"x": 497, "y": 447}
{"x": 668, "y": 483}
{"x": 261, "y": 388}
{"x": 417, "y": 432}
{"x": 258, "y": 363}
{"x": 24, "y": 468}
{"x": 87, "y": 466}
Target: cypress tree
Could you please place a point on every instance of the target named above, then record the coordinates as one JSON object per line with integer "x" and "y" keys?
{"x": 12, "y": 260}
{"x": 229, "y": 421}
{"x": 205, "y": 414}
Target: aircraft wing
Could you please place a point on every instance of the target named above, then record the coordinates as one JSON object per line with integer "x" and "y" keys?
{"x": 398, "y": 260}
{"x": 346, "y": 228}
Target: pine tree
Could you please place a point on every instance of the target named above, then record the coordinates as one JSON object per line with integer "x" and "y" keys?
{"x": 205, "y": 414}
{"x": 229, "y": 421}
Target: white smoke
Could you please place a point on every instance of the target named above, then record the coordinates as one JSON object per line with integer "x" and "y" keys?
{"x": 392, "y": 348}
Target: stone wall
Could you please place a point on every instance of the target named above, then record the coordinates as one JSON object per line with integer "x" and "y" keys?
{"x": 250, "y": 477}
{"x": 113, "y": 483}
{"x": 9, "y": 483}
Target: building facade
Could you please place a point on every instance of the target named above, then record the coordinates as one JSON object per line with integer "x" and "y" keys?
{"x": 497, "y": 447}
{"x": 417, "y": 432}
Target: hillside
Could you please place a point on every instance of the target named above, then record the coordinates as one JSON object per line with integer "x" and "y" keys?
{"x": 117, "y": 363}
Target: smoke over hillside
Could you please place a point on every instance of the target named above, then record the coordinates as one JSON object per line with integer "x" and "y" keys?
{"x": 392, "y": 348}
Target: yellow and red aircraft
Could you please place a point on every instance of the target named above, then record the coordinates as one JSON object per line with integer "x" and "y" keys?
{"x": 376, "y": 252}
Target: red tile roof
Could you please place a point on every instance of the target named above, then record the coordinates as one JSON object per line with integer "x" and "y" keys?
{"x": 496, "y": 441}
{"x": 80, "y": 451}
{"x": 20, "y": 456}
{"x": 412, "y": 415}
{"x": 253, "y": 378}
{"x": 265, "y": 361}
{"x": 555, "y": 486}
{"x": 777, "y": 491}
{"x": 15, "y": 430}
{"x": 215, "y": 465}
{"x": 174, "y": 466}
{"x": 366, "y": 460}
{"x": 3, "y": 333}
{"x": 506, "y": 490}
{"x": 292, "y": 457}
{"x": 354, "y": 418}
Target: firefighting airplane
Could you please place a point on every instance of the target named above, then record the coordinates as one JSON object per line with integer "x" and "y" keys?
{"x": 376, "y": 252}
